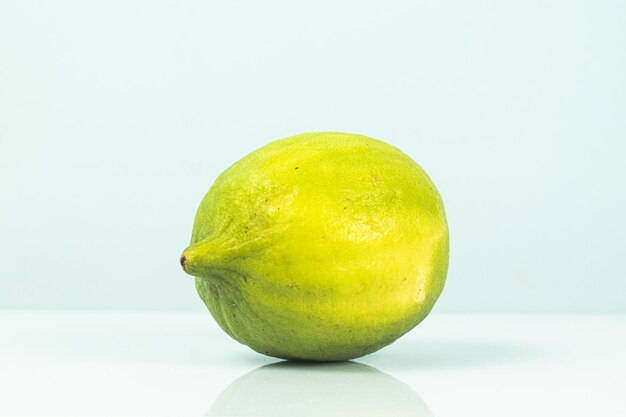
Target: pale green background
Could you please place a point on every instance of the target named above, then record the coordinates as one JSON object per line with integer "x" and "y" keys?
{"x": 116, "y": 116}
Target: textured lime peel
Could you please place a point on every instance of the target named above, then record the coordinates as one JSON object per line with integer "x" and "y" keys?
{"x": 322, "y": 246}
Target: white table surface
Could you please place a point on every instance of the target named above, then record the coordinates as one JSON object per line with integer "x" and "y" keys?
{"x": 182, "y": 364}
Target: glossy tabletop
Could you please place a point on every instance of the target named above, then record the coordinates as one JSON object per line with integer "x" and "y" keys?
{"x": 182, "y": 364}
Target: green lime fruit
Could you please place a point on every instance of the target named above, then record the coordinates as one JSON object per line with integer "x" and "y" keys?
{"x": 322, "y": 246}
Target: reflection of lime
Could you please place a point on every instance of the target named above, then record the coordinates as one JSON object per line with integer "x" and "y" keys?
{"x": 322, "y": 246}
{"x": 336, "y": 389}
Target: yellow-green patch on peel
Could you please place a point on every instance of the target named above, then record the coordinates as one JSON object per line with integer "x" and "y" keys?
{"x": 322, "y": 246}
